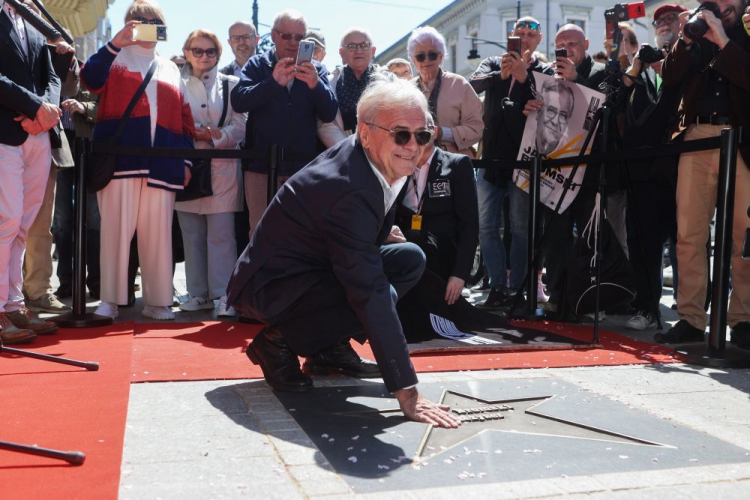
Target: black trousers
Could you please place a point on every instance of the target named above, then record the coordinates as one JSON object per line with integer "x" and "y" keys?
{"x": 651, "y": 223}
{"x": 322, "y": 317}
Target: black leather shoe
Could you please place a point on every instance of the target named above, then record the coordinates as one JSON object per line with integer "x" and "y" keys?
{"x": 741, "y": 334}
{"x": 496, "y": 299}
{"x": 280, "y": 364}
{"x": 342, "y": 358}
{"x": 64, "y": 291}
{"x": 681, "y": 332}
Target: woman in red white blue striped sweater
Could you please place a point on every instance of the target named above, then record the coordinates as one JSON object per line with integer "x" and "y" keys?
{"x": 141, "y": 195}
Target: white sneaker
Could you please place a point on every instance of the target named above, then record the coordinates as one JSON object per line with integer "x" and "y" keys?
{"x": 158, "y": 312}
{"x": 197, "y": 304}
{"x": 107, "y": 309}
{"x": 223, "y": 310}
{"x": 541, "y": 293}
{"x": 641, "y": 321}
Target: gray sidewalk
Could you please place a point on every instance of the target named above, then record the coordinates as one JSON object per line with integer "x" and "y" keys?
{"x": 235, "y": 439}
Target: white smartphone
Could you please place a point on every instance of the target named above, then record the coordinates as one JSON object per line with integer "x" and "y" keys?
{"x": 305, "y": 52}
{"x": 150, "y": 33}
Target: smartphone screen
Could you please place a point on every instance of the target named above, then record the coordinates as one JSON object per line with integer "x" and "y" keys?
{"x": 514, "y": 44}
{"x": 150, "y": 33}
{"x": 305, "y": 52}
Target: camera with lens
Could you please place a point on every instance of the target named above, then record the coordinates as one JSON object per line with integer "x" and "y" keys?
{"x": 695, "y": 27}
{"x": 649, "y": 54}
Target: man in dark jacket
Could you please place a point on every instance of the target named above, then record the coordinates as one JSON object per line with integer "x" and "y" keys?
{"x": 716, "y": 68}
{"x": 29, "y": 114}
{"x": 316, "y": 269}
{"x": 285, "y": 101}
{"x": 503, "y": 80}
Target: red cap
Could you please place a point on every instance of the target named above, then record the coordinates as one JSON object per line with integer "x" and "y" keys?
{"x": 670, "y": 7}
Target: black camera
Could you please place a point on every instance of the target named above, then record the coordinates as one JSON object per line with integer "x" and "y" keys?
{"x": 694, "y": 27}
{"x": 649, "y": 54}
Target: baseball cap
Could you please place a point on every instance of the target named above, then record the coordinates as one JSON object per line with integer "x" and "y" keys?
{"x": 315, "y": 36}
{"x": 669, "y": 7}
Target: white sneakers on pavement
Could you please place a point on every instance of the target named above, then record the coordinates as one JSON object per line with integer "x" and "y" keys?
{"x": 641, "y": 321}
{"x": 107, "y": 309}
{"x": 197, "y": 304}
{"x": 223, "y": 309}
{"x": 161, "y": 313}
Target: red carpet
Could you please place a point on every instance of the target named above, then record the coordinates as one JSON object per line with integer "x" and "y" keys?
{"x": 66, "y": 408}
{"x": 214, "y": 351}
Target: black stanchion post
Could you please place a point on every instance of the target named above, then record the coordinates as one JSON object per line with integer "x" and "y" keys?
{"x": 533, "y": 281}
{"x": 273, "y": 171}
{"x": 715, "y": 353}
{"x": 79, "y": 318}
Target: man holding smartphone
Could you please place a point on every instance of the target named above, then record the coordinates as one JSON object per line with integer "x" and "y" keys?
{"x": 284, "y": 100}
{"x": 505, "y": 83}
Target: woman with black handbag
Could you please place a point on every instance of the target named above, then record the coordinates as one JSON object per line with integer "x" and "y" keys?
{"x": 215, "y": 192}
{"x": 142, "y": 105}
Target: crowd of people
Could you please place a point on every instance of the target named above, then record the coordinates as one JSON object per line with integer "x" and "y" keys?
{"x": 434, "y": 206}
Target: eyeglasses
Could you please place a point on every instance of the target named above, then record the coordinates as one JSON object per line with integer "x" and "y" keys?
{"x": 241, "y": 38}
{"x": 666, "y": 19}
{"x": 288, "y": 36}
{"x": 353, "y": 47}
{"x": 431, "y": 55}
{"x": 402, "y": 137}
{"x": 143, "y": 20}
{"x": 533, "y": 25}
{"x": 198, "y": 53}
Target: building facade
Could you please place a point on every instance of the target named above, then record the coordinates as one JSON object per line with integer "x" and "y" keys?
{"x": 86, "y": 20}
{"x": 493, "y": 20}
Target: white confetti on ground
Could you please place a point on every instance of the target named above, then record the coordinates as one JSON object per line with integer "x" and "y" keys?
{"x": 499, "y": 452}
{"x": 354, "y": 438}
{"x": 535, "y": 450}
{"x": 324, "y": 436}
{"x": 624, "y": 457}
{"x": 352, "y": 459}
{"x": 384, "y": 467}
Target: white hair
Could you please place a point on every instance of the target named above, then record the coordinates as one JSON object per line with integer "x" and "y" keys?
{"x": 422, "y": 34}
{"x": 290, "y": 15}
{"x": 386, "y": 93}
{"x": 357, "y": 29}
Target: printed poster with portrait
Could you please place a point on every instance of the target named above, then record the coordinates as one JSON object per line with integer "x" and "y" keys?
{"x": 557, "y": 130}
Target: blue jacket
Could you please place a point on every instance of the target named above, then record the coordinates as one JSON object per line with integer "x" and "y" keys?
{"x": 279, "y": 116}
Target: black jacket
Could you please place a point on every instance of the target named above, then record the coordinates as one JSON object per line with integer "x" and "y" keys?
{"x": 25, "y": 82}
{"x": 454, "y": 218}
{"x": 503, "y": 122}
{"x": 328, "y": 219}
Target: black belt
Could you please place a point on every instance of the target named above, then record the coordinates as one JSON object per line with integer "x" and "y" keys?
{"x": 712, "y": 120}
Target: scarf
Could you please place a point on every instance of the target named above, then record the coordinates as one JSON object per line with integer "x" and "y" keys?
{"x": 348, "y": 92}
{"x": 432, "y": 101}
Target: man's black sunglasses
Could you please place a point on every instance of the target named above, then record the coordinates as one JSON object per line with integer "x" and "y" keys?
{"x": 143, "y": 20}
{"x": 288, "y": 36}
{"x": 431, "y": 55}
{"x": 402, "y": 137}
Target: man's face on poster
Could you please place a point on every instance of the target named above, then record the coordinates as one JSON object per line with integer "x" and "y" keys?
{"x": 552, "y": 119}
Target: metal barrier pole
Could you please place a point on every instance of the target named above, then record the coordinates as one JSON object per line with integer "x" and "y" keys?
{"x": 716, "y": 353}
{"x": 273, "y": 171}
{"x": 533, "y": 281}
{"x": 79, "y": 318}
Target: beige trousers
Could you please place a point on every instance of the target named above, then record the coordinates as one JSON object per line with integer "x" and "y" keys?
{"x": 37, "y": 262}
{"x": 127, "y": 206}
{"x": 256, "y": 195}
{"x": 697, "y": 182}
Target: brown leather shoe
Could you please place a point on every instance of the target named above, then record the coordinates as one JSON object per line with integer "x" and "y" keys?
{"x": 22, "y": 318}
{"x": 11, "y": 334}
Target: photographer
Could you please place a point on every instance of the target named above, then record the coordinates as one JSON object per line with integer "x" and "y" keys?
{"x": 716, "y": 68}
{"x": 650, "y": 118}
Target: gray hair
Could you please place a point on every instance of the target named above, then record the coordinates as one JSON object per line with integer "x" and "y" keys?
{"x": 290, "y": 15}
{"x": 398, "y": 61}
{"x": 387, "y": 93}
{"x": 425, "y": 33}
{"x": 356, "y": 29}
{"x": 246, "y": 24}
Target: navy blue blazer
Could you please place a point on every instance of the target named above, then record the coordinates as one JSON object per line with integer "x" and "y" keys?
{"x": 25, "y": 82}
{"x": 329, "y": 218}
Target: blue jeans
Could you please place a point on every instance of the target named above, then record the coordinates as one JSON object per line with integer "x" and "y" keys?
{"x": 490, "y": 198}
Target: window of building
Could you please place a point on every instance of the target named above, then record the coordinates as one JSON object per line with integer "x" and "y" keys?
{"x": 578, "y": 22}
{"x": 509, "y": 25}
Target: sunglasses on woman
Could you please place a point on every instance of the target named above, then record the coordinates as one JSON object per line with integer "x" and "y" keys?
{"x": 288, "y": 36}
{"x": 143, "y": 20}
{"x": 402, "y": 137}
{"x": 431, "y": 55}
{"x": 198, "y": 53}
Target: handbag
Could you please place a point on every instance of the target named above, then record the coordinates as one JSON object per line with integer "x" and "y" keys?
{"x": 200, "y": 174}
{"x": 101, "y": 168}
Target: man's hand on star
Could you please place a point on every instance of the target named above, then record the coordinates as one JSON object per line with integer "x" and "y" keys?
{"x": 420, "y": 409}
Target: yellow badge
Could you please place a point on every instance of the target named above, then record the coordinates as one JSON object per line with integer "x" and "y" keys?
{"x": 416, "y": 222}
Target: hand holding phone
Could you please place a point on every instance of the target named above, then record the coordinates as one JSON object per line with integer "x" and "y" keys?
{"x": 305, "y": 52}
{"x": 514, "y": 44}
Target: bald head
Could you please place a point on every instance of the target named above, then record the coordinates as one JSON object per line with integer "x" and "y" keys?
{"x": 529, "y": 30}
{"x": 572, "y": 38}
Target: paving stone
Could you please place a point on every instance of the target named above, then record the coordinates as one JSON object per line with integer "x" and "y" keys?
{"x": 169, "y": 400}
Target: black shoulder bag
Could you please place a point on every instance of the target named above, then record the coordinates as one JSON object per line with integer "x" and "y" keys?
{"x": 200, "y": 175}
{"x": 101, "y": 168}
